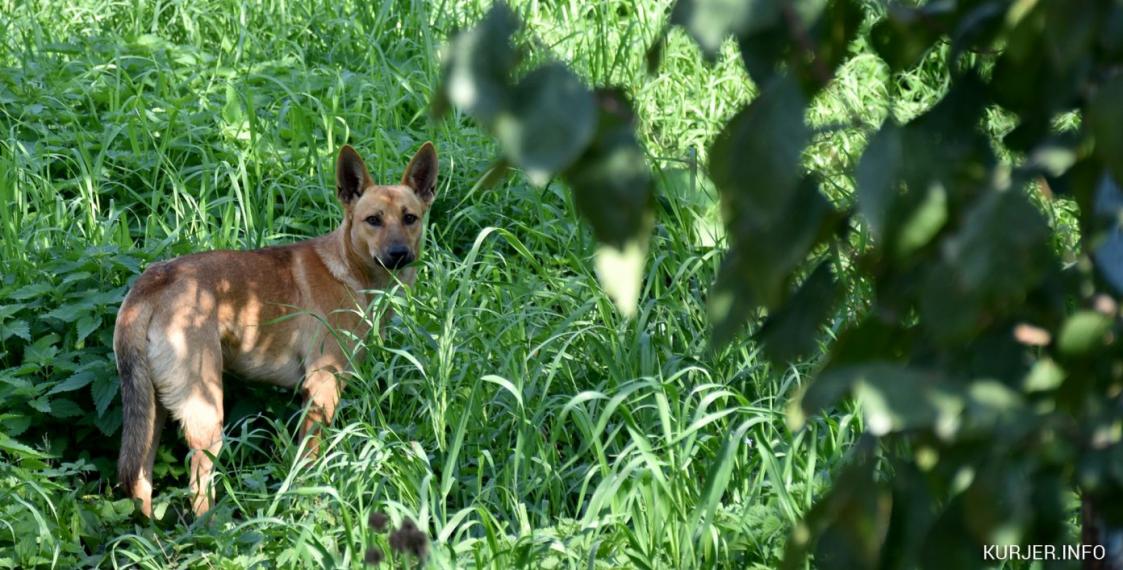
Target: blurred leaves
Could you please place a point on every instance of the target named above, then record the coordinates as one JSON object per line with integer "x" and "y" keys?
{"x": 963, "y": 331}
{"x": 907, "y": 33}
{"x": 792, "y": 331}
{"x": 848, "y": 526}
{"x": 549, "y": 123}
{"x": 711, "y": 22}
{"x": 478, "y": 63}
{"x": 606, "y": 179}
{"x": 773, "y": 213}
{"x": 812, "y": 37}
{"x": 1082, "y": 333}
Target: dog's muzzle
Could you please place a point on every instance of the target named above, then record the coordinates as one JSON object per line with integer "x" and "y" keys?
{"x": 396, "y": 257}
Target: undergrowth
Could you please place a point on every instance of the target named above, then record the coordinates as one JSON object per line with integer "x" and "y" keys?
{"x": 510, "y": 411}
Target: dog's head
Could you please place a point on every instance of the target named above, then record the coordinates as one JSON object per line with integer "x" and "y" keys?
{"x": 385, "y": 221}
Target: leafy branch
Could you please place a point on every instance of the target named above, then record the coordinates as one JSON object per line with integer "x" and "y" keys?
{"x": 988, "y": 372}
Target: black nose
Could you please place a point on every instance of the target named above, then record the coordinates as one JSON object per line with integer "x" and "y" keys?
{"x": 397, "y": 256}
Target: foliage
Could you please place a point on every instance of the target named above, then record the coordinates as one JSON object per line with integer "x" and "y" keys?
{"x": 987, "y": 369}
{"x": 510, "y": 411}
{"x": 549, "y": 122}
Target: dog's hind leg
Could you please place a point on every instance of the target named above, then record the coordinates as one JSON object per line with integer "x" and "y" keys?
{"x": 201, "y": 416}
{"x": 190, "y": 378}
{"x": 203, "y": 431}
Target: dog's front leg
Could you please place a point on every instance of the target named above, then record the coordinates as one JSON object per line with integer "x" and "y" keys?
{"x": 321, "y": 396}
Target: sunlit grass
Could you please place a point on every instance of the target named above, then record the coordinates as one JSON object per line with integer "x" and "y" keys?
{"x": 510, "y": 410}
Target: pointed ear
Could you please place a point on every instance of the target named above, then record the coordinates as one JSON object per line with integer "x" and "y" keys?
{"x": 421, "y": 174}
{"x": 351, "y": 176}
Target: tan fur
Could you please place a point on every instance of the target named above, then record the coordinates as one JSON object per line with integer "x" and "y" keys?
{"x": 258, "y": 314}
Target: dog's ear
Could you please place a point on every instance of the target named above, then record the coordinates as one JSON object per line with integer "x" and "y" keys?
{"x": 351, "y": 176}
{"x": 421, "y": 174}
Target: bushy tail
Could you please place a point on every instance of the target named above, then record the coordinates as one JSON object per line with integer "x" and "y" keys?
{"x": 130, "y": 342}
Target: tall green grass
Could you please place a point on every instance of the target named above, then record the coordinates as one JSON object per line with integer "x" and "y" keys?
{"x": 510, "y": 411}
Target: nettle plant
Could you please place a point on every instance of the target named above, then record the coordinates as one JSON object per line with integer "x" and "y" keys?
{"x": 983, "y": 352}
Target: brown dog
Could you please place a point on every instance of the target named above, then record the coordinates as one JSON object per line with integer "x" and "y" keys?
{"x": 262, "y": 315}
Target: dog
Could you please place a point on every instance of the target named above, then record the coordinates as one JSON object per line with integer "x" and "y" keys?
{"x": 264, "y": 315}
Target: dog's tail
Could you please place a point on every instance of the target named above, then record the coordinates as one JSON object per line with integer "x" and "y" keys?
{"x": 138, "y": 395}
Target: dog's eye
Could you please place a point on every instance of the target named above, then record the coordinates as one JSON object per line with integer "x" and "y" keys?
{"x": 374, "y": 220}
{"x": 409, "y": 219}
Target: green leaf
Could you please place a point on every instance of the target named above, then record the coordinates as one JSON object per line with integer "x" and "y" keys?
{"x": 42, "y": 351}
{"x": 760, "y": 262}
{"x": 1032, "y": 76}
{"x": 718, "y": 476}
{"x": 1045, "y": 375}
{"x": 755, "y": 160}
{"x": 1083, "y": 333}
{"x": 831, "y": 34}
{"x": 551, "y": 119}
{"x": 911, "y": 178}
{"x": 925, "y": 221}
{"x": 8, "y": 311}
{"x": 64, "y": 408}
{"x": 792, "y": 331}
{"x": 41, "y": 405}
{"x": 1071, "y": 30}
{"x": 110, "y": 422}
{"x": 1000, "y": 253}
{"x": 31, "y": 291}
{"x": 69, "y": 312}
{"x": 87, "y": 325}
{"x": 18, "y": 449}
{"x": 763, "y": 53}
{"x": 1003, "y": 247}
{"x": 905, "y": 399}
{"x": 948, "y": 309}
{"x": 991, "y": 406}
{"x": 878, "y": 176}
{"x": 612, "y": 189}
{"x": 710, "y": 22}
{"x": 872, "y": 339}
{"x": 977, "y": 27}
{"x": 906, "y": 34}
{"x": 612, "y": 185}
{"x": 999, "y": 507}
{"x": 232, "y": 110}
{"x": 894, "y": 398}
{"x": 104, "y": 390}
{"x": 949, "y": 543}
{"x": 620, "y": 271}
{"x": 16, "y": 328}
{"x": 116, "y": 511}
{"x": 74, "y": 382}
{"x": 477, "y": 66}
{"x": 15, "y": 424}
{"x": 773, "y": 215}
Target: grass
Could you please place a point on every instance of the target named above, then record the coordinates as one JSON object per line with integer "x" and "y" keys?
{"x": 510, "y": 411}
